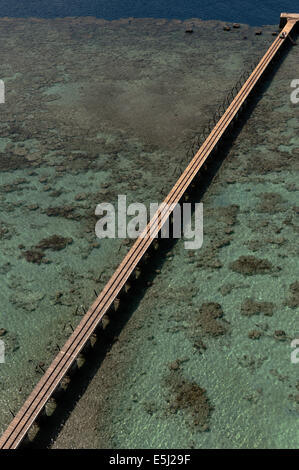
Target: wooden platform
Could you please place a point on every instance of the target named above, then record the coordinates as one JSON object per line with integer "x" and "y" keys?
{"x": 64, "y": 360}
{"x": 284, "y": 17}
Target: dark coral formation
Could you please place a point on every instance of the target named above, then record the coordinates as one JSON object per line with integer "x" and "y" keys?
{"x": 272, "y": 162}
{"x": 280, "y": 335}
{"x": 191, "y": 398}
{"x": 293, "y": 300}
{"x": 34, "y": 256}
{"x": 4, "y": 232}
{"x": 209, "y": 320}
{"x": 36, "y": 253}
{"x": 251, "y": 307}
{"x": 10, "y": 162}
{"x": 254, "y": 334}
{"x": 295, "y": 396}
{"x": 55, "y": 243}
{"x": 250, "y": 265}
{"x": 64, "y": 211}
{"x": 226, "y": 219}
{"x": 270, "y": 203}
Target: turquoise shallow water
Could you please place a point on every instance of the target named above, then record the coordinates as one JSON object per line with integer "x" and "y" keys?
{"x": 112, "y": 113}
{"x": 251, "y": 383}
{"x": 248, "y": 381}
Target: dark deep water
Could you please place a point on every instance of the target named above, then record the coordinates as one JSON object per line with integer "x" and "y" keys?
{"x": 253, "y": 12}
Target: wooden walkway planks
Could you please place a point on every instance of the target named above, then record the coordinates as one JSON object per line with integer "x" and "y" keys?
{"x": 20, "y": 425}
{"x": 284, "y": 17}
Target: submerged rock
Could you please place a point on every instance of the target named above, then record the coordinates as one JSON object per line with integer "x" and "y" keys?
{"x": 191, "y": 398}
{"x": 250, "y": 265}
{"x": 280, "y": 335}
{"x": 209, "y": 322}
{"x": 293, "y": 300}
{"x": 55, "y": 243}
{"x": 251, "y": 307}
{"x": 254, "y": 334}
{"x": 63, "y": 211}
{"x": 34, "y": 256}
{"x": 270, "y": 203}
